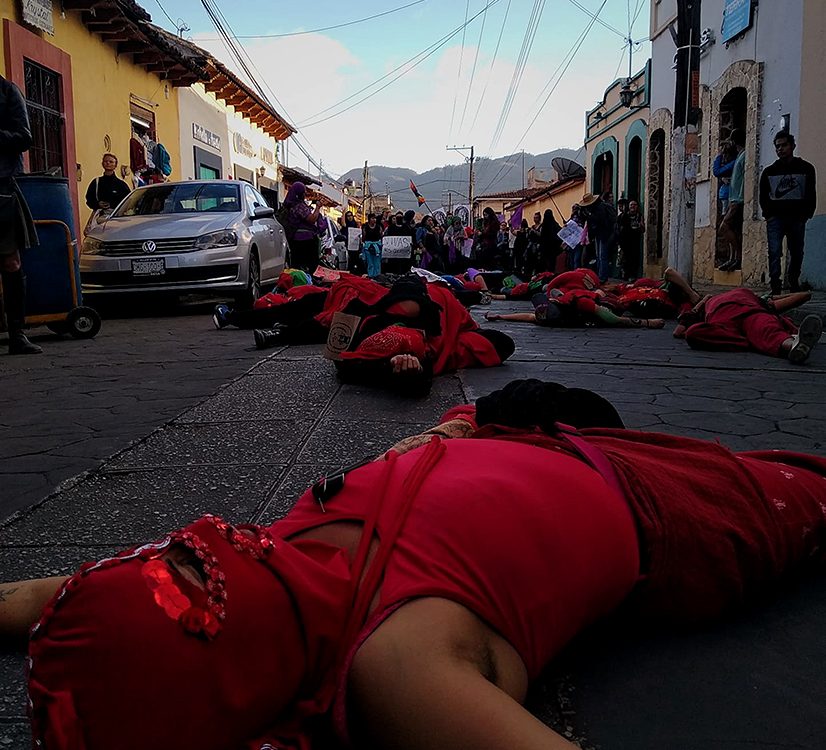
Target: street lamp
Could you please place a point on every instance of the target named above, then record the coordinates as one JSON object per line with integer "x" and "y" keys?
{"x": 627, "y": 94}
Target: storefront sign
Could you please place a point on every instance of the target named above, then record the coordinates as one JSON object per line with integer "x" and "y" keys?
{"x": 737, "y": 17}
{"x": 200, "y": 133}
{"x": 38, "y": 13}
{"x": 396, "y": 247}
{"x": 267, "y": 156}
{"x": 242, "y": 145}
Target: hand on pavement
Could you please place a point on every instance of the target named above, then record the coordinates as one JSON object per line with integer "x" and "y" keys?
{"x": 405, "y": 363}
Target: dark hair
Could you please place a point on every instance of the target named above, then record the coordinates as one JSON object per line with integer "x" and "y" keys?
{"x": 503, "y": 343}
{"x": 787, "y": 135}
{"x": 738, "y": 137}
{"x": 109, "y": 156}
{"x": 371, "y": 216}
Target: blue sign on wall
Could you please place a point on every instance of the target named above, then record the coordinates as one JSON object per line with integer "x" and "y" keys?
{"x": 737, "y": 17}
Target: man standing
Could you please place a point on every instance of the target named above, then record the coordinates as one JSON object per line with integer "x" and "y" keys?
{"x": 602, "y": 229}
{"x": 788, "y": 198}
{"x": 731, "y": 227}
{"x": 106, "y": 191}
{"x": 16, "y": 226}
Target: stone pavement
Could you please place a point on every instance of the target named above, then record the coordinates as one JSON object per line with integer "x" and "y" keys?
{"x": 282, "y": 420}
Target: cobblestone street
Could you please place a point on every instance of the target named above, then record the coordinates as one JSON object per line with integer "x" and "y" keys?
{"x": 171, "y": 419}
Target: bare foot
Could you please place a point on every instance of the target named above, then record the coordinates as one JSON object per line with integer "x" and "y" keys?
{"x": 491, "y": 316}
{"x": 655, "y": 323}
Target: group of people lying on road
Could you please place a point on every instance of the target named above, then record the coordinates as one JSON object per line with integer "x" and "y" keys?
{"x": 417, "y": 595}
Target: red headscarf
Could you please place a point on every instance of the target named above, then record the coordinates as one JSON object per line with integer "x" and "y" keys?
{"x": 130, "y": 656}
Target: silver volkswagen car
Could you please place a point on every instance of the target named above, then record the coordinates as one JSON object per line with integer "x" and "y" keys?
{"x": 198, "y": 236}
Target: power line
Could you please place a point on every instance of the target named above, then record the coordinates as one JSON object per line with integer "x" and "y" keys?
{"x": 595, "y": 16}
{"x": 163, "y": 10}
{"x": 327, "y": 28}
{"x": 558, "y": 74}
{"x": 426, "y": 53}
{"x": 459, "y": 74}
{"x": 473, "y": 71}
{"x": 492, "y": 61}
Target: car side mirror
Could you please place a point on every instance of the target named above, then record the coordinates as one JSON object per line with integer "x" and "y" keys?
{"x": 263, "y": 212}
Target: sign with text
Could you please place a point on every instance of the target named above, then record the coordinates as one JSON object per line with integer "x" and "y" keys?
{"x": 396, "y": 247}
{"x": 571, "y": 234}
{"x": 200, "y": 133}
{"x": 737, "y": 17}
{"x": 38, "y": 13}
{"x": 353, "y": 239}
{"x": 342, "y": 330}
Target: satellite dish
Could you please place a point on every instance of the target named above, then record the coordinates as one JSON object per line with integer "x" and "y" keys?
{"x": 566, "y": 168}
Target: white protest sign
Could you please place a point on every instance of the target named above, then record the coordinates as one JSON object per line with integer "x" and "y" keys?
{"x": 353, "y": 239}
{"x": 396, "y": 247}
{"x": 571, "y": 234}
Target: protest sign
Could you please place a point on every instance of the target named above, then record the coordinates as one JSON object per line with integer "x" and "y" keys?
{"x": 353, "y": 239}
{"x": 396, "y": 247}
{"x": 571, "y": 234}
{"x": 342, "y": 330}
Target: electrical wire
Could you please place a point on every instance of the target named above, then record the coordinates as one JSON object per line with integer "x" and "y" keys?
{"x": 459, "y": 74}
{"x": 557, "y": 74}
{"x": 174, "y": 23}
{"x": 473, "y": 71}
{"x": 424, "y": 55}
{"x": 326, "y": 28}
{"x": 601, "y": 22}
{"x": 492, "y": 61}
{"x": 521, "y": 63}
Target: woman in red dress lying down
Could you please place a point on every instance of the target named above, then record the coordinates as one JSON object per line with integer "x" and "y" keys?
{"x": 408, "y": 602}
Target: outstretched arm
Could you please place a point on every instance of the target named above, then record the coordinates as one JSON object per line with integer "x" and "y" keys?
{"x": 21, "y": 603}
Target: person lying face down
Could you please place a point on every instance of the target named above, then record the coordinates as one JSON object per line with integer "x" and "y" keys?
{"x": 413, "y": 598}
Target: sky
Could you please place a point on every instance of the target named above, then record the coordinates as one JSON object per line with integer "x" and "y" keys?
{"x": 454, "y": 97}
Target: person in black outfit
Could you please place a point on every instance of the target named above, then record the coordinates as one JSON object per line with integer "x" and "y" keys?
{"x": 16, "y": 226}
{"x": 401, "y": 226}
{"x": 550, "y": 246}
{"x": 788, "y": 199}
{"x": 106, "y": 191}
{"x": 355, "y": 264}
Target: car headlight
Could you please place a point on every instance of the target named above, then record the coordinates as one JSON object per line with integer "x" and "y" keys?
{"x": 225, "y": 238}
{"x": 91, "y": 246}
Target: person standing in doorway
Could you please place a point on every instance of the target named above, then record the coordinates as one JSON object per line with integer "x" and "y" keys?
{"x": 16, "y": 226}
{"x": 631, "y": 228}
{"x": 788, "y": 198}
{"x": 106, "y": 191}
{"x": 731, "y": 227}
{"x": 602, "y": 229}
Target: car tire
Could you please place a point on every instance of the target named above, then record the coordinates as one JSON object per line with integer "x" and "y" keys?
{"x": 248, "y": 297}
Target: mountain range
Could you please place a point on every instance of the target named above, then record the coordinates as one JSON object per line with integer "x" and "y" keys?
{"x": 490, "y": 176}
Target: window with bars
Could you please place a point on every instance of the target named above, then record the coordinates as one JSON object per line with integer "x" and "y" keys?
{"x": 45, "y": 106}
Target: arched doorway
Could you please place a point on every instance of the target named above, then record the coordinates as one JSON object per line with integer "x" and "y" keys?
{"x": 604, "y": 173}
{"x": 656, "y": 195}
{"x": 733, "y": 116}
{"x": 633, "y": 185}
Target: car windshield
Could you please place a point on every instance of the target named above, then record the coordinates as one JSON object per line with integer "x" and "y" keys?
{"x": 183, "y": 198}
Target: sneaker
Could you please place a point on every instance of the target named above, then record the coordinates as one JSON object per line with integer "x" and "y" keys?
{"x": 806, "y": 339}
{"x": 219, "y": 316}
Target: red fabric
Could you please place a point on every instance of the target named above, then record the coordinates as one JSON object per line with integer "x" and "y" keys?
{"x": 520, "y": 290}
{"x": 273, "y": 299}
{"x": 648, "y": 293}
{"x": 738, "y": 321}
{"x": 342, "y": 292}
{"x": 108, "y": 663}
{"x": 579, "y": 279}
{"x": 458, "y": 345}
{"x": 388, "y": 343}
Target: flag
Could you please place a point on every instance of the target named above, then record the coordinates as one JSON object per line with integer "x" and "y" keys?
{"x": 419, "y": 197}
{"x": 516, "y": 219}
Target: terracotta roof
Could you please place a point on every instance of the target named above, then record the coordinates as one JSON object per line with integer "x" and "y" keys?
{"x": 291, "y": 174}
{"x": 506, "y": 195}
{"x": 551, "y": 189}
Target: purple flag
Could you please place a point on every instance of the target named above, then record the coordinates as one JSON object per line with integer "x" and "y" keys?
{"x": 516, "y": 219}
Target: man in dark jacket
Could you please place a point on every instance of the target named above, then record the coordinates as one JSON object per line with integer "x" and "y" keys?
{"x": 16, "y": 227}
{"x": 602, "y": 229}
{"x": 106, "y": 191}
{"x": 788, "y": 198}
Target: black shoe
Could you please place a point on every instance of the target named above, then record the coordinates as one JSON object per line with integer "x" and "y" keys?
{"x": 777, "y": 288}
{"x": 19, "y": 344}
{"x": 267, "y": 339}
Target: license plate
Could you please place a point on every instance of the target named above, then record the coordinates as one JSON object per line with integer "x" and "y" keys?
{"x": 149, "y": 267}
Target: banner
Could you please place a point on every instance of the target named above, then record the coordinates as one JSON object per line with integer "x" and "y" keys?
{"x": 516, "y": 219}
{"x": 463, "y": 214}
{"x": 396, "y": 247}
{"x": 353, "y": 239}
{"x": 440, "y": 216}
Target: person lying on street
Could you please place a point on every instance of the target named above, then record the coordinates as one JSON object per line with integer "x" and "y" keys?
{"x": 410, "y": 601}
{"x": 738, "y": 320}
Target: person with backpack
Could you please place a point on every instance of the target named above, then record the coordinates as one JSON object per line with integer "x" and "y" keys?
{"x": 300, "y": 224}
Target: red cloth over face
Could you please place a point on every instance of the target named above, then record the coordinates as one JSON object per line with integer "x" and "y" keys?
{"x": 273, "y": 299}
{"x": 570, "y": 281}
{"x": 739, "y": 321}
{"x": 458, "y": 345}
{"x": 122, "y": 660}
{"x": 345, "y": 290}
{"x": 389, "y": 342}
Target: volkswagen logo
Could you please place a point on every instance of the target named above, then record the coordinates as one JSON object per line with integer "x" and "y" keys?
{"x": 149, "y": 246}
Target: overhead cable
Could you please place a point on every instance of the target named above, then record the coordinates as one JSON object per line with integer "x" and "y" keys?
{"x": 459, "y": 73}
{"x": 492, "y": 62}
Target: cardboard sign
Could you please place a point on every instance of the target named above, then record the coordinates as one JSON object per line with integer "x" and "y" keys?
{"x": 326, "y": 274}
{"x": 396, "y": 247}
{"x": 353, "y": 239}
{"x": 342, "y": 330}
{"x": 571, "y": 234}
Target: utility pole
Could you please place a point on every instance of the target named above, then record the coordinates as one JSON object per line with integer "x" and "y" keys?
{"x": 461, "y": 150}
{"x": 364, "y": 179}
{"x": 684, "y": 139}
{"x": 523, "y": 168}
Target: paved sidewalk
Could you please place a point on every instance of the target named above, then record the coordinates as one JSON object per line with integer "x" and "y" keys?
{"x": 247, "y": 450}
